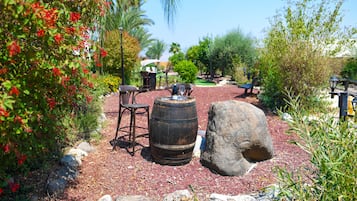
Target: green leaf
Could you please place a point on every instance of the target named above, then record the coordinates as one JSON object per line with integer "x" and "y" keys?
{"x": 7, "y": 84}
{"x": 27, "y": 92}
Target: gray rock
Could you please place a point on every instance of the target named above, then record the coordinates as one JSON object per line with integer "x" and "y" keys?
{"x": 78, "y": 154}
{"x": 67, "y": 173}
{"x": 178, "y": 196}
{"x": 106, "y": 198}
{"x": 133, "y": 198}
{"x": 56, "y": 186}
{"x": 237, "y": 134}
{"x": 220, "y": 197}
{"x": 85, "y": 146}
{"x": 70, "y": 161}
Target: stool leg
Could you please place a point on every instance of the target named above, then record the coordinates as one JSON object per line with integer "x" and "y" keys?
{"x": 147, "y": 111}
{"x": 134, "y": 126}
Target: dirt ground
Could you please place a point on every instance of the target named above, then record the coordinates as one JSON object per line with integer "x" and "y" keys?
{"x": 118, "y": 173}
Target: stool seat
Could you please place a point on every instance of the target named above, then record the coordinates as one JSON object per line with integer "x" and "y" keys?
{"x": 127, "y": 102}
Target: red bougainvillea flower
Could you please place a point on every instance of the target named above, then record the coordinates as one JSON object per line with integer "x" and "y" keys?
{"x": 74, "y": 16}
{"x": 3, "y": 112}
{"x": 36, "y": 7}
{"x": 6, "y": 148}
{"x": 14, "y": 49}
{"x": 21, "y": 159}
{"x": 98, "y": 64}
{"x": 18, "y": 119}
{"x": 40, "y": 33}
{"x": 85, "y": 70}
{"x": 1, "y": 191}
{"x": 51, "y": 103}
{"x": 70, "y": 30}
{"x": 3, "y": 71}
{"x": 56, "y": 71}
{"x": 89, "y": 99}
{"x": 58, "y": 38}
{"x": 50, "y": 16}
{"x": 103, "y": 53}
{"x": 14, "y": 91}
{"x": 14, "y": 187}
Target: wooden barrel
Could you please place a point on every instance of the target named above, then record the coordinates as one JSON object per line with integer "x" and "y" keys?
{"x": 173, "y": 130}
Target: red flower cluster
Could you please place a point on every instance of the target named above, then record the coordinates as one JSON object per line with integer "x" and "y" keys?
{"x": 14, "y": 187}
{"x": 50, "y": 16}
{"x": 3, "y": 112}
{"x": 74, "y": 16}
{"x": 6, "y": 148}
{"x": 51, "y": 103}
{"x": 3, "y": 71}
{"x": 41, "y": 33}
{"x": 58, "y": 38}
{"x": 14, "y": 48}
{"x": 103, "y": 53}
{"x": 18, "y": 119}
{"x": 56, "y": 71}
{"x": 21, "y": 159}
{"x": 14, "y": 91}
{"x": 1, "y": 191}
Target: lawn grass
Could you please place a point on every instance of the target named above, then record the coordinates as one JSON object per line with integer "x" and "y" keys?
{"x": 203, "y": 82}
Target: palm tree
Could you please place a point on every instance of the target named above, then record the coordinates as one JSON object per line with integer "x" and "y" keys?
{"x": 175, "y": 48}
{"x": 156, "y": 49}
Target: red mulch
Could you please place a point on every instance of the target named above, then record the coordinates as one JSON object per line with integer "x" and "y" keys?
{"x": 118, "y": 173}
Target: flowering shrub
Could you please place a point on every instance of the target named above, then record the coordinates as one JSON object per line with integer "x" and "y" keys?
{"x": 41, "y": 79}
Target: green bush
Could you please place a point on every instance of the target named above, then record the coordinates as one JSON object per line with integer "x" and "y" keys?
{"x": 105, "y": 84}
{"x": 187, "y": 71}
{"x": 332, "y": 146}
{"x": 349, "y": 70}
{"x": 42, "y": 81}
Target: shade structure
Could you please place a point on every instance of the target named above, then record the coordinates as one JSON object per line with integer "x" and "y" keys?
{"x": 148, "y": 61}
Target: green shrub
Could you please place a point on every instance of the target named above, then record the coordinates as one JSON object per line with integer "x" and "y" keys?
{"x": 105, "y": 84}
{"x": 187, "y": 71}
{"x": 42, "y": 81}
{"x": 349, "y": 70}
{"x": 332, "y": 146}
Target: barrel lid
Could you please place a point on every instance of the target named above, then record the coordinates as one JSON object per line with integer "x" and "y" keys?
{"x": 175, "y": 99}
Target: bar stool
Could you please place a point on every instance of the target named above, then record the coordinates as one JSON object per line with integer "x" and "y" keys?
{"x": 127, "y": 102}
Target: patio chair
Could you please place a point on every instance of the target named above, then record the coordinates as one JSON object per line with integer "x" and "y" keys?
{"x": 127, "y": 102}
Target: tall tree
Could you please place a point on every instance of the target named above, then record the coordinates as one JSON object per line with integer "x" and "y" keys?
{"x": 175, "y": 48}
{"x": 156, "y": 49}
{"x": 297, "y": 47}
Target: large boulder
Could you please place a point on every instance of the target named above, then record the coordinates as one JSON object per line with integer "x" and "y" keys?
{"x": 237, "y": 135}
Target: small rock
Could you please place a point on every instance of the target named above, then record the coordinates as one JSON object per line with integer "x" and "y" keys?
{"x": 70, "y": 161}
{"x": 78, "y": 154}
{"x": 178, "y": 196}
{"x": 133, "y": 198}
{"x": 106, "y": 198}
{"x": 56, "y": 186}
{"x": 220, "y": 197}
{"x": 85, "y": 146}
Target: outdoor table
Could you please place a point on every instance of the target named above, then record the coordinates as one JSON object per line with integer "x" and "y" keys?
{"x": 173, "y": 130}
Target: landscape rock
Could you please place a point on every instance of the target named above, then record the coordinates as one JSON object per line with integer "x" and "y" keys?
{"x": 133, "y": 198}
{"x": 70, "y": 161}
{"x": 85, "y": 146}
{"x": 106, "y": 198}
{"x": 78, "y": 154}
{"x": 220, "y": 197}
{"x": 178, "y": 196}
{"x": 237, "y": 134}
{"x": 56, "y": 186}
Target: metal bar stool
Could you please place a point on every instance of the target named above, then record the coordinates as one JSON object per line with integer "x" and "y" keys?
{"x": 127, "y": 102}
